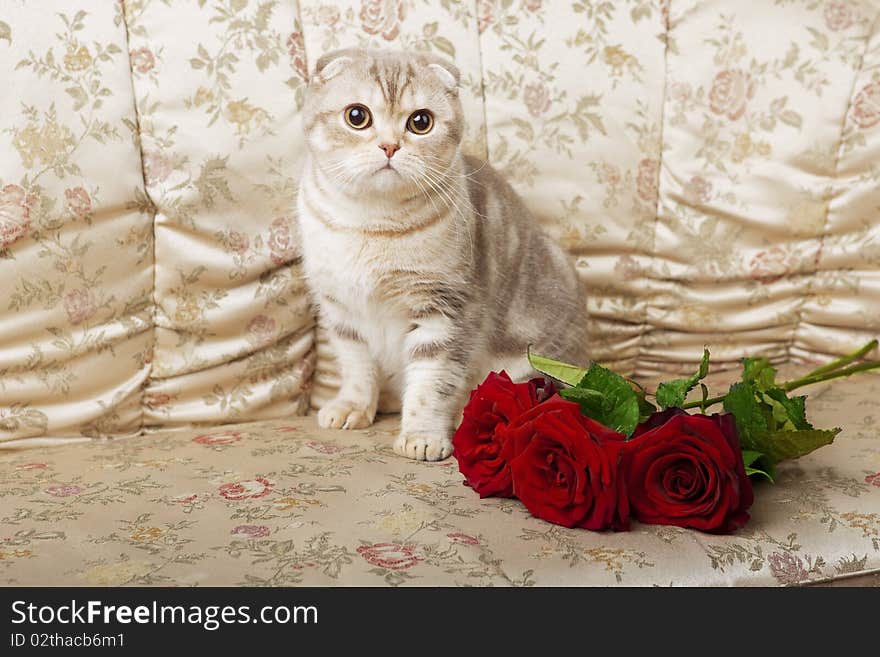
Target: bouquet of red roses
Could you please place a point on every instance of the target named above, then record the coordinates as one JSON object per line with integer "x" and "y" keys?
{"x": 595, "y": 452}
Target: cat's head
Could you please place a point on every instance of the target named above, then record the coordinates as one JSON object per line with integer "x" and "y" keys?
{"x": 383, "y": 122}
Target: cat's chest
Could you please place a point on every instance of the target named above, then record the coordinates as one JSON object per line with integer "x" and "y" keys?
{"x": 369, "y": 271}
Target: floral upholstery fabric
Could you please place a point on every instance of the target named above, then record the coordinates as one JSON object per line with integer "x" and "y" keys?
{"x": 282, "y": 502}
{"x": 711, "y": 166}
{"x": 76, "y": 255}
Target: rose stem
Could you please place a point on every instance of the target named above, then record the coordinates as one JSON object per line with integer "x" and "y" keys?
{"x": 845, "y": 360}
{"x": 827, "y": 376}
{"x": 809, "y": 379}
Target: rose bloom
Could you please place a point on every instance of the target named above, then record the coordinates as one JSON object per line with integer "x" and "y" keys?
{"x": 31, "y": 466}
{"x": 532, "y": 5}
{"x": 687, "y": 470}
{"x": 63, "y": 491}
{"x": 536, "y": 97}
{"x": 245, "y": 490}
{"x": 219, "y": 438}
{"x": 328, "y": 15}
{"x": 142, "y": 60}
{"x": 866, "y": 106}
{"x": 261, "y": 330}
{"x": 697, "y": 190}
{"x": 237, "y": 242}
{"x": 382, "y": 17}
{"x": 609, "y": 174}
{"x": 324, "y": 448}
{"x": 680, "y": 91}
{"x": 485, "y": 14}
{"x": 77, "y": 59}
{"x": 771, "y": 265}
{"x": 79, "y": 306}
{"x": 464, "y": 539}
{"x": 628, "y": 267}
{"x": 296, "y": 48}
{"x": 155, "y": 400}
{"x": 478, "y": 441}
{"x": 646, "y": 180}
{"x": 240, "y": 112}
{"x": 393, "y": 556}
{"x": 187, "y": 311}
{"x": 78, "y": 202}
{"x": 564, "y": 467}
{"x": 873, "y": 479}
{"x": 730, "y": 94}
{"x": 157, "y": 167}
{"x": 787, "y": 568}
{"x": 251, "y": 531}
{"x": 146, "y": 534}
{"x": 15, "y": 211}
{"x": 281, "y": 245}
{"x": 838, "y": 15}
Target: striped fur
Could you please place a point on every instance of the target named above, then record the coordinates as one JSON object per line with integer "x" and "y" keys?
{"x": 431, "y": 273}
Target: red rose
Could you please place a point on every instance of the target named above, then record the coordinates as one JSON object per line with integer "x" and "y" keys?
{"x": 687, "y": 470}
{"x": 564, "y": 467}
{"x": 477, "y": 442}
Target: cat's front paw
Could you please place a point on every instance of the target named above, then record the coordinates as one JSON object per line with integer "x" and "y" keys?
{"x": 423, "y": 447}
{"x": 342, "y": 414}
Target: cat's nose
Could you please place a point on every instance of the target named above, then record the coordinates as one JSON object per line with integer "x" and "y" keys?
{"x": 390, "y": 149}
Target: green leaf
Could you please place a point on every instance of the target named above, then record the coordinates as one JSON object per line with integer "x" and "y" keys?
{"x": 5, "y": 32}
{"x": 781, "y": 445}
{"x": 750, "y": 420}
{"x": 607, "y": 398}
{"x": 795, "y": 407}
{"x": 772, "y": 424}
{"x": 758, "y": 465}
{"x": 673, "y": 393}
{"x": 646, "y": 408}
{"x": 570, "y": 374}
{"x": 760, "y": 372}
{"x": 581, "y": 395}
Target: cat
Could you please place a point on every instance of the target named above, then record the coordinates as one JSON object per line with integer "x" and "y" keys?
{"x": 426, "y": 267}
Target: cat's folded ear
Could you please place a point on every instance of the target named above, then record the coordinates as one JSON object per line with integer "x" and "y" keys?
{"x": 445, "y": 71}
{"x": 331, "y": 64}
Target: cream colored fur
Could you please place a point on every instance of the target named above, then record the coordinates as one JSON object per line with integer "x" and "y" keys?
{"x": 427, "y": 268}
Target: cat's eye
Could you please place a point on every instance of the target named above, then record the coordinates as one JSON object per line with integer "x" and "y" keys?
{"x": 358, "y": 117}
{"x": 420, "y": 122}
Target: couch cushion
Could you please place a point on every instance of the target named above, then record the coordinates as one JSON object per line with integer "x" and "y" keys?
{"x": 283, "y": 502}
{"x": 76, "y": 253}
{"x": 217, "y": 91}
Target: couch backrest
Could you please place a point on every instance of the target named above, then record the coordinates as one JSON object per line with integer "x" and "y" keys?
{"x": 713, "y": 167}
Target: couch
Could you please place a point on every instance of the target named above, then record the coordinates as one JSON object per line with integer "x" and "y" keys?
{"x": 713, "y": 167}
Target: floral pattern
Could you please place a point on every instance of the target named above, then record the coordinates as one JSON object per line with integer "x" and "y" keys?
{"x": 271, "y": 503}
{"x": 713, "y": 185}
{"x": 77, "y": 322}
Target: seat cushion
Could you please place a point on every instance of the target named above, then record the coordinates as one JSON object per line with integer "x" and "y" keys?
{"x": 284, "y": 503}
